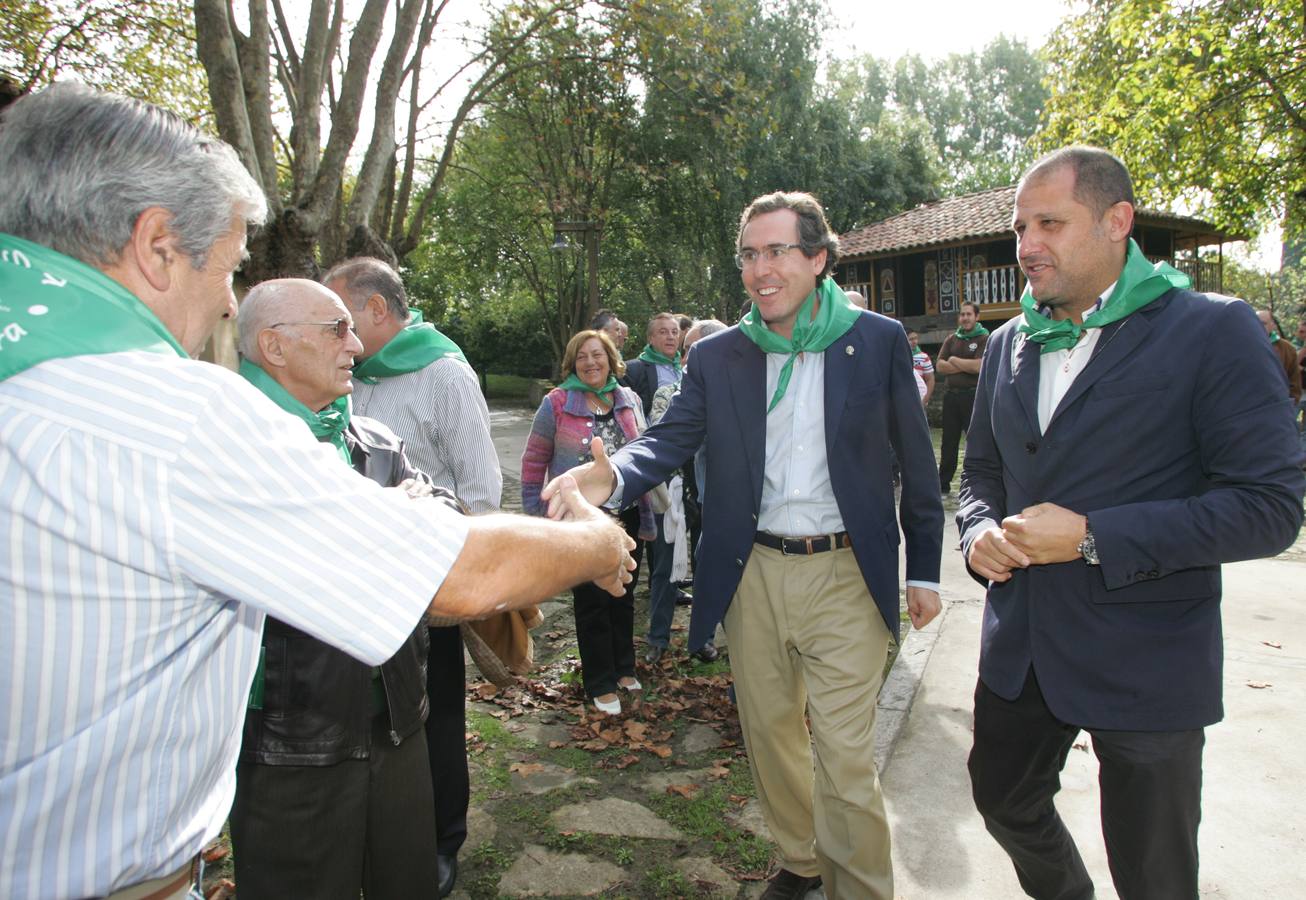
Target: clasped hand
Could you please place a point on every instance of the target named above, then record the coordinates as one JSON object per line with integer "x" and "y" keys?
{"x": 574, "y": 497}
{"x": 1040, "y": 534}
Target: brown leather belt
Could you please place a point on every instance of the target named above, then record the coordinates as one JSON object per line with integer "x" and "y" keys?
{"x": 803, "y": 546}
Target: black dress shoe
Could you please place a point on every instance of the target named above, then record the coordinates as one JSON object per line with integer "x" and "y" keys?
{"x": 683, "y": 598}
{"x": 788, "y": 886}
{"x": 653, "y": 654}
{"x": 707, "y": 653}
{"x": 446, "y": 872}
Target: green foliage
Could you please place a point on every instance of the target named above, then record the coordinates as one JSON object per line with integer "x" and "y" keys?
{"x": 979, "y": 109}
{"x": 1205, "y": 100}
{"x": 1283, "y": 291}
{"x": 143, "y": 50}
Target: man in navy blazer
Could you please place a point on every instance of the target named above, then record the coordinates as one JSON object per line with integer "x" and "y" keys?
{"x": 1128, "y": 437}
{"x": 799, "y": 553}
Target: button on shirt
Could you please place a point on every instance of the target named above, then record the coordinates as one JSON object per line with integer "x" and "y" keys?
{"x": 1058, "y": 370}
{"x": 797, "y": 499}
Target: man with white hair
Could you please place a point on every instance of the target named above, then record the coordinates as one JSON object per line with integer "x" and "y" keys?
{"x": 156, "y": 508}
{"x": 333, "y": 789}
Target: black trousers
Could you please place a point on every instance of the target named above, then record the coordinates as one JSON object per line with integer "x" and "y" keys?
{"x": 956, "y": 419}
{"x": 605, "y": 625}
{"x": 1151, "y": 796}
{"x": 446, "y": 738}
{"x": 326, "y": 832}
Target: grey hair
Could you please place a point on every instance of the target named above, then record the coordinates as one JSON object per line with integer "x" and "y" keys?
{"x": 269, "y": 303}
{"x": 708, "y": 326}
{"x": 81, "y": 166}
{"x": 366, "y": 275}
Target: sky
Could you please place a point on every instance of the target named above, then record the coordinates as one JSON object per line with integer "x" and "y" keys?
{"x": 935, "y": 28}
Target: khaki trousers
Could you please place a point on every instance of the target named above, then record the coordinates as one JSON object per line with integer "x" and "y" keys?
{"x": 806, "y": 637}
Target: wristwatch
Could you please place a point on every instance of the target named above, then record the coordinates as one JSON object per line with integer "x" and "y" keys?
{"x": 1088, "y": 547}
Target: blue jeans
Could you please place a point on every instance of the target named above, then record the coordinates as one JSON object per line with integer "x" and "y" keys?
{"x": 661, "y": 593}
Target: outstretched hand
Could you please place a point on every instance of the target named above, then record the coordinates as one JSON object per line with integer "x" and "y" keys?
{"x": 573, "y": 507}
{"x": 596, "y": 481}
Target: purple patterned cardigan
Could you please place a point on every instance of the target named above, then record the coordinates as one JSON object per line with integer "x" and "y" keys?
{"x": 560, "y": 438}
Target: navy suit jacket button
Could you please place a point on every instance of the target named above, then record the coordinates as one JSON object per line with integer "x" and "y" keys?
{"x": 1031, "y": 447}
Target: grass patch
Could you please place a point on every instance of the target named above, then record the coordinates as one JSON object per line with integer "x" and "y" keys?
{"x": 508, "y": 387}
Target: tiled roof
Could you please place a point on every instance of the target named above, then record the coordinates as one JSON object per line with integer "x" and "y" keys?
{"x": 985, "y": 214}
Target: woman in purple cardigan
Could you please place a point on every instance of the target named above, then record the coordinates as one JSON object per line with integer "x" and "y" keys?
{"x": 589, "y": 403}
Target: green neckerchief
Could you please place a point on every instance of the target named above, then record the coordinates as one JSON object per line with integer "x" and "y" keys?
{"x": 327, "y": 425}
{"x": 975, "y": 332}
{"x": 415, "y": 347}
{"x": 573, "y": 383}
{"x": 54, "y": 307}
{"x": 916, "y": 349}
{"x": 834, "y": 317}
{"x": 649, "y": 355}
{"x": 1274, "y": 337}
{"x": 1140, "y": 283}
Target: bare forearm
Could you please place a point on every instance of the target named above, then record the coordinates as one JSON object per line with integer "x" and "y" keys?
{"x": 512, "y": 561}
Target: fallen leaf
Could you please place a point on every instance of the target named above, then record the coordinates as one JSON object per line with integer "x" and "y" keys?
{"x": 557, "y": 745}
{"x": 526, "y": 769}
{"x": 685, "y": 790}
{"x": 1275, "y": 644}
{"x": 486, "y": 690}
{"x": 635, "y": 730}
{"x": 625, "y": 762}
{"x": 215, "y": 851}
{"x": 1259, "y": 685}
{"x": 222, "y": 890}
{"x": 662, "y": 751}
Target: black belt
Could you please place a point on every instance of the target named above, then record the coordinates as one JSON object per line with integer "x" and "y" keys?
{"x": 803, "y": 546}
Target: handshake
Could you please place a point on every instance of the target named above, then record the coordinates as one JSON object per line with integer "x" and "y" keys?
{"x": 577, "y": 495}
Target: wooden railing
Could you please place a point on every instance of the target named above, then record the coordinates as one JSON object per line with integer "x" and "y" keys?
{"x": 994, "y": 284}
{"x": 1207, "y": 275}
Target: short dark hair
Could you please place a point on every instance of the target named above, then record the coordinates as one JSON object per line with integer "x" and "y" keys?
{"x": 814, "y": 232}
{"x": 973, "y": 305}
{"x": 1101, "y": 179}
{"x": 366, "y": 275}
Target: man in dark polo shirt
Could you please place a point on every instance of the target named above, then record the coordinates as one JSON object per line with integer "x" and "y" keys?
{"x": 959, "y": 359}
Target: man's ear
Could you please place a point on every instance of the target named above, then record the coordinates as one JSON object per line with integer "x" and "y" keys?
{"x": 152, "y": 248}
{"x": 272, "y": 346}
{"x": 1120, "y": 221}
{"x": 376, "y": 309}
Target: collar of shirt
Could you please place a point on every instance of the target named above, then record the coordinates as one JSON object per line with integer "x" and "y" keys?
{"x": 1058, "y": 370}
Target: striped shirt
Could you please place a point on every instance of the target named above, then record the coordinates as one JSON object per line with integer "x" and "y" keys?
{"x": 441, "y": 414}
{"x": 152, "y": 510}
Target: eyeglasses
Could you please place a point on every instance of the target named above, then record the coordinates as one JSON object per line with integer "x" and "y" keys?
{"x": 772, "y": 253}
{"x": 340, "y": 327}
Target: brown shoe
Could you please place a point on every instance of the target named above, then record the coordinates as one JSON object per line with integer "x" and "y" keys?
{"x": 788, "y": 886}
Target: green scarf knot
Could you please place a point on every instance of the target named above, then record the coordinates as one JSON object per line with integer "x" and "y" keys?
{"x": 54, "y": 307}
{"x": 573, "y": 383}
{"x": 327, "y": 425}
{"x": 649, "y": 355}
{"x": 415, "y": 347}
{"x": 978, "y": 331}
{"x": 834, "y": 317}
{"x": 1140, "y": 283}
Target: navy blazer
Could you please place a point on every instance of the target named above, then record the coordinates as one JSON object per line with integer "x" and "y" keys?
{"x": 642, "y": 378}
{"x": 870, "y": 402}
{"x": 1178, "y": 443}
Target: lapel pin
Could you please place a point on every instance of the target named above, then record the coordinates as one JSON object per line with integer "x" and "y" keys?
{"x": 848, "y": 349}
